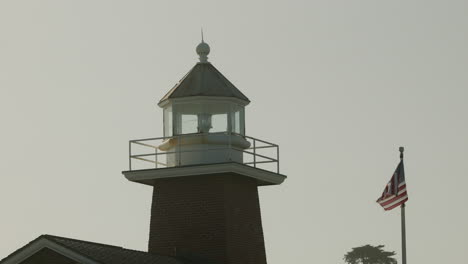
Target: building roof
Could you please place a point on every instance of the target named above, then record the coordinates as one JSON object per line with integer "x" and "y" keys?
{"x": 112, "y": 254}
{"x": 204, "y": 80}
{"x": 90, "y": 252}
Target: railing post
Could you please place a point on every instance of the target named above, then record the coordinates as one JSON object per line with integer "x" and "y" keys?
{"x": 277, "y": 159}
{"x": 179, "y": 138}
{"x": 255, "y": 154}
{"x": 230, "y": 146}
{"x": 130, "y": 155}
{"x": 156, "y": 157}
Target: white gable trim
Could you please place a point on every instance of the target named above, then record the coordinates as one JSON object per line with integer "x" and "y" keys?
{"x": 41, "y": 243}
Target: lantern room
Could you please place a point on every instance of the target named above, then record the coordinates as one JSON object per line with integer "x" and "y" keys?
{"x": 203, "y": 133}
{"x": 204, "y": 116}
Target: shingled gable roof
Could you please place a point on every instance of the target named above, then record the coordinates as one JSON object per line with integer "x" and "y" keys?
{"x": 204, "y": 80}
{"x": 87, "y": 252}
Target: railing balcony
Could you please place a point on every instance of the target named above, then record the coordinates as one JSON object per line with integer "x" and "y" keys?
{"x": 202, "y": 148}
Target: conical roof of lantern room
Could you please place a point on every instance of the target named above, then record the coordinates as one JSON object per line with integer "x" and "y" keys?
{"x": 204, "y": 80}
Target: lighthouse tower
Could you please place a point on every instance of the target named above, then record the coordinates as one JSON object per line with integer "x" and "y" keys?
{"x": 205, "y": 172}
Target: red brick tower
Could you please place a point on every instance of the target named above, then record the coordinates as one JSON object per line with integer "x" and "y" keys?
{"x": 205, "y": 172}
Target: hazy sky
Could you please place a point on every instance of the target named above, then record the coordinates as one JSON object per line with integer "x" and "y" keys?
{"x": 339, "y": 85}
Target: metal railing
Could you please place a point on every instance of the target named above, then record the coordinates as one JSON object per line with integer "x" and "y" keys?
{"x": 147, "y": 154}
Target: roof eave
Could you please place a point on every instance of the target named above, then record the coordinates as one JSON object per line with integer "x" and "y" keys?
{"x": 163, "y": 103}
{"x": 42, "y": 242}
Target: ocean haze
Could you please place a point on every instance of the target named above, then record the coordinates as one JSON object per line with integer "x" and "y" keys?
{"x": 339, "y": 85}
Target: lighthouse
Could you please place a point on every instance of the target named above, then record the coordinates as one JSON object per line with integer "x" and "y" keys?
{"x": 205, "y": 171}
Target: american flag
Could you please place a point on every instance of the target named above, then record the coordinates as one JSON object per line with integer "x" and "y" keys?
{"x": 394, "y": 193}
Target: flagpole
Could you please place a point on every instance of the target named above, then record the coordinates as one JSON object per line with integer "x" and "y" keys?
{"x": 403, "y": 222}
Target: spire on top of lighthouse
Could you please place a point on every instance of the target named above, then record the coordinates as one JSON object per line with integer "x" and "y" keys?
{"x": 203, "y": 49}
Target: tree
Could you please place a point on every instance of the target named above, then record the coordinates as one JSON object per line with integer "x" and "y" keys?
{"x": 370, "y": 255}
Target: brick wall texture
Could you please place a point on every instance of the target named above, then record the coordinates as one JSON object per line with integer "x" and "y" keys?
{"x": 213, "y": 217}
{"x": 48, "y": 256}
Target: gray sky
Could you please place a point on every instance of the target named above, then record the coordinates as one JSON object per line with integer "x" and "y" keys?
{"x": 339, "y": 85}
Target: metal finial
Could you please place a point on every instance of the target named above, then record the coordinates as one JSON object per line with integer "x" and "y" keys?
{"x": 203, "y": 49}
{"x": 401, "y": 149}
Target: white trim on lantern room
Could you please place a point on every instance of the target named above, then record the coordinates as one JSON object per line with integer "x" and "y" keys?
{"x": 203, "y": 99}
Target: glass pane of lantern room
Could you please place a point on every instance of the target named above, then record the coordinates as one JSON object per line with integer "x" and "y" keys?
{"x": 186, "y": 118}
{"x": 219, "y": 123}
{"x": 218, "y": 114}
{"x": 237, "y": 120}
{"x": 237, "y": 128}
{"x": 189, "y": 123}
{"x": 167, "y": 121}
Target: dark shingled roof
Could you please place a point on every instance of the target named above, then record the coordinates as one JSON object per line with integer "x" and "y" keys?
{"x": 106, "y": 254}
{"x": 204, "y": 80}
